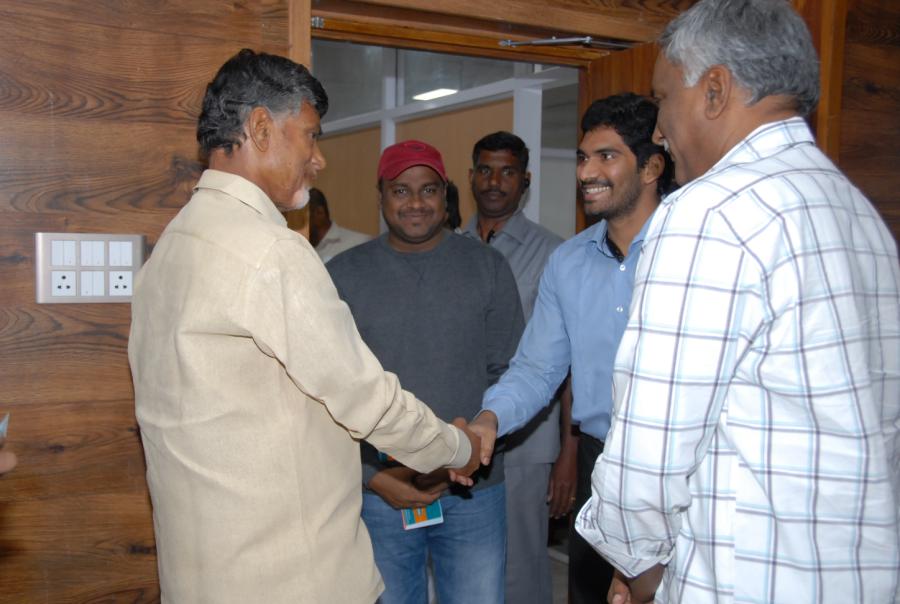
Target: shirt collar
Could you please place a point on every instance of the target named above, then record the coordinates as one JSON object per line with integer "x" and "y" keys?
{"x": 597, "y": 238}
{"x": 243, "y": 190}
{"x": 334, "y": 233}
{"x": 765, "y": 141}
{"x": 515, "y": 227}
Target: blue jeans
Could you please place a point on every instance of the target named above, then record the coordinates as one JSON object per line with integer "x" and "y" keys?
{"x": 468, "y": 550}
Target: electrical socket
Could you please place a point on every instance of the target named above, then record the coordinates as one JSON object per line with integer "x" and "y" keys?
{"x": 120, "y": 283}
{"x": 62, "y": 283}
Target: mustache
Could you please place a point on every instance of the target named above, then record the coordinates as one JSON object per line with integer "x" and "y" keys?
{"x": 594, "y": 181}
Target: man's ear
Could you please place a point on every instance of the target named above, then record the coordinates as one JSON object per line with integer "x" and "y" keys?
{"x": 260, "y": 127}
{"x": 653, "y": 169}
{"x": 718, "y": 85}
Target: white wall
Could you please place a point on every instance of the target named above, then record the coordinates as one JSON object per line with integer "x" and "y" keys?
{"x": 557, "y": 208}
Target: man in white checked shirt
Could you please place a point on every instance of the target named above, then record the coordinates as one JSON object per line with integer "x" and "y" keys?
{"x": 753, "y": 452}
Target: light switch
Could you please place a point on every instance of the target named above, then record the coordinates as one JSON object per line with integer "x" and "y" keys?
{"x": 125, "y": 253}
{"x": 98, "y": 249}
{"x": 56, "y": 252}
{"x": 92, "y": 253}
{"x": 92, "y": 283}
{"x": 69, "y": 253}
{"x": 103, "y": 266}
{"x": 120, "y": 253}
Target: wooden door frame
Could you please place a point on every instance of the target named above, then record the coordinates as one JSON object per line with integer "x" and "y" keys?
{"x": 400, "y": 24}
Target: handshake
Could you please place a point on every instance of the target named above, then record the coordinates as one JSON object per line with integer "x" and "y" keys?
{"x": 482, "y": 433}
{"x": 403, "y": 487}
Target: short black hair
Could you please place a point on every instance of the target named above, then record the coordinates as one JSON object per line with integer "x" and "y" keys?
{"x": 633, "y": 117}
{"x": 453, "y": 217}
{"x": 247, "y": 80}
{"x": 317, "y": 200}
{"x": 502, "y": 141}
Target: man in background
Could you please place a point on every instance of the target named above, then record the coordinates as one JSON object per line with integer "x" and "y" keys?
{"x": 252, "y": 386}
{"x": 537, "y": 483}
{"x": 753, "y": 456}
{"x": 442, "y": 312}
{"x": 580, "y": 311}
{"x": 328, "y": 237}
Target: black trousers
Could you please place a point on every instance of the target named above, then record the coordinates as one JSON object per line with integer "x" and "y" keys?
{"x": 589, "y": 573}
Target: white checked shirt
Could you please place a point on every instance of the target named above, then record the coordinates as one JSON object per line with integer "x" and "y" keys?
{"x": 754, "y": 443}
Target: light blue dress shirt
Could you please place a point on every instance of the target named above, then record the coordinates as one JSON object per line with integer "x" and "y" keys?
{"x": 578, "y": 319}
{"x": 527, "y": 247}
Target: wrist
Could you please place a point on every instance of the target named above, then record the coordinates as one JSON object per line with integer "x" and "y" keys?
{"x": 487, "y": 418}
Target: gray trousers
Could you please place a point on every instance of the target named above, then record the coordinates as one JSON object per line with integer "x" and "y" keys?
{"x": 527, "y": 518}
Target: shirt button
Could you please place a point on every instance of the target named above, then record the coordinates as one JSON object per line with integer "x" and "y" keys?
{"x": 620, "y": 309}
{"x": 621, "y": 267}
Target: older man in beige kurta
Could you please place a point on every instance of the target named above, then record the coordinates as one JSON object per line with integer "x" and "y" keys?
{"x": 252, "y": 388}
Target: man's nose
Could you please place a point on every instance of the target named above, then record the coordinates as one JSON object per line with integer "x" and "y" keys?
{"x": 318, "y": 158}
{"x": 587, "y": 170}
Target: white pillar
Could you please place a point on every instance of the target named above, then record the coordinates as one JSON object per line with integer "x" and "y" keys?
{"x": 527, "y": 107}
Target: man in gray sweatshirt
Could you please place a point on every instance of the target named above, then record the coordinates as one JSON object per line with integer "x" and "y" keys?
{"x": 442, "y": 312}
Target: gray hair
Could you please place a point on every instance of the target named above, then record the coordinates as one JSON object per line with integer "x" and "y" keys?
{"x": 764, "y": 44}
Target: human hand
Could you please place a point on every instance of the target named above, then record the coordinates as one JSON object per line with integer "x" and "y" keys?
{"x": 618, "y": 590}
{"x": 485, "y": 426}
{"x": 563, "y": 481}
{"x": 7, "y": 461}
{"x": 395, "y": 485}
{"x": 433, "y": 482}
{"x": 637, "y": 590}
{"x": 462, "y": 475}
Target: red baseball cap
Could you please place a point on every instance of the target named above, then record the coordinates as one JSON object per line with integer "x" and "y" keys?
{"x": 400, "y": 156}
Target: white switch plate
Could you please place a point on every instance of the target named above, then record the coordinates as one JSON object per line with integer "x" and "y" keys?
{"x": 86, "y": 267}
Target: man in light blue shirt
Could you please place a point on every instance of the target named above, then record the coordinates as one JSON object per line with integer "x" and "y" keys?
{"x": 582, "y": 303}
{"x": 538, "y": 483}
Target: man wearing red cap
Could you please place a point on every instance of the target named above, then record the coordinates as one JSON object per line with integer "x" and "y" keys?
{"x": 442, "y": 312}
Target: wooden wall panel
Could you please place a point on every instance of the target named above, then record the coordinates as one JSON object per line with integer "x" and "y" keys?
{"x": 352, "y": 201}
{"x": 98, "y": 103}
{"x": 870, "y": 107}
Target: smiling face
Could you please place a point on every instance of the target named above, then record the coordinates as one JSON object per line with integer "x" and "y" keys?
{"x": 680, "y": 123}
{"x": 498, "y": 183}
{"x": 608, "y": 175}
{"x": 414, "y": 208}
{"x": 292, "y": 158}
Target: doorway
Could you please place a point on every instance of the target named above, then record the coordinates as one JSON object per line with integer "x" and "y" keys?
{"x": 380, "y": 95}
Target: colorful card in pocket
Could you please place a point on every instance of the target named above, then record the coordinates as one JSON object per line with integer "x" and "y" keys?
{"x": 414, "y": 518}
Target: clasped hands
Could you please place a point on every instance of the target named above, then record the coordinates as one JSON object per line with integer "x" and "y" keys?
{"x": 403, "y": 487}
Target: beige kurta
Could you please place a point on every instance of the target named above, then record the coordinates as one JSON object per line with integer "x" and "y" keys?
{"x": 251, "y": 386}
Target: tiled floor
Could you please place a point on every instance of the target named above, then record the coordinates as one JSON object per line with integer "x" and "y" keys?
{"x": 559, "y": 559}
{"x": 560, "y": 575}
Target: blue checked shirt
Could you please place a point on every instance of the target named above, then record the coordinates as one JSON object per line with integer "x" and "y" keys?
{"x": 754, "y": 442}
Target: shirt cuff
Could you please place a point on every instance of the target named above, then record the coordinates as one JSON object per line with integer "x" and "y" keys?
{"x": 463, "y": 450}
{"x": 627, "y": 564}
{"x": 504, "y": 420}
